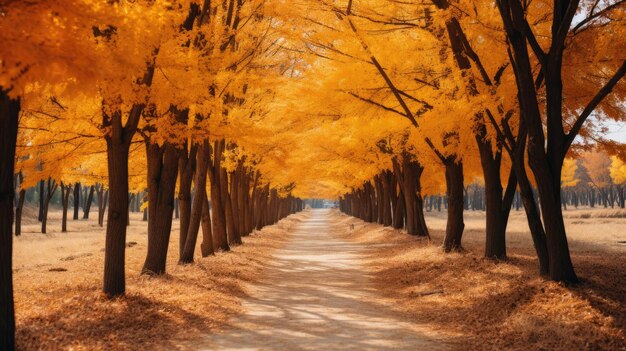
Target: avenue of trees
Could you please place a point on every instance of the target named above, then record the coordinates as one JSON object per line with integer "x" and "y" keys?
{"x": 226, "y": 113}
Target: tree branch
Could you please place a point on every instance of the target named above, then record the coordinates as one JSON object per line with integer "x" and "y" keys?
{"x": 591, "y": 106}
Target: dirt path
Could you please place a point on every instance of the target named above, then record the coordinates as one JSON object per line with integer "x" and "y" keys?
{"x": 316, "y": 295}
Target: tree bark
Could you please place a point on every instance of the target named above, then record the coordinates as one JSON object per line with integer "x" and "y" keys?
{"x": 220, "y": 239}
{"x": 497, "y": 208}
{"x": 102, "y": 203}
{"x": 244, "y": 202}
{"x": 186, "y": 170}
{"x": 252, "y": 201}
{"x": 51, "y": 187}
{"x": 242, "y": 194}
{"x": 66, "y": 190}
{"x": 20, "y": 207}
{"x": 419, "y": 202}
{"x": 399, "y": 211}
{"x": 9, "y": 115}
{"x": 162, "y": 174}
{"x": 232, "y": 233}
{"x": 88, "y": 202}
{"x": 454, "y": 192}
{"x": 207, "y": 232}
{"x": 118, "y": 142}
{"x": 530, "y": 205}
{"x": 408, "y": 174}
{"x": 387, "y": 197}
{"x": 378, "y": 187}
{"x": 405, "y": 181}
{"x": 198, "y": 203}
{"x": 42, "y": 194}
{"x": 132, "y": 199}
{"x": 547, "y": 141}
{"x": 76, "y": 200}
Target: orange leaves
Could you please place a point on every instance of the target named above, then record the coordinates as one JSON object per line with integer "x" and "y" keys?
{"x": 597, "y": 163}
{"x": 292, "y": 83}
{"x": 568, "y": 174}
{"x": 618, "y": 170}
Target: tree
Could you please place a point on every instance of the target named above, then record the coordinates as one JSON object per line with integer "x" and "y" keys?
{"x": 618, "y": 175}
{"x": 9, "y": 112}
{"x": 548, "y": 148}
{"x": 598, "y": 166}
{"x": 568, "y": 175}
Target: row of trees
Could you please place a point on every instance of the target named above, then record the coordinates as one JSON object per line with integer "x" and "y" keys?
{"x": 595, "y": 179}
{"x": 81, "y": 198}
{"x": 592, "y": 180}
{"x": 483, "y": 87}
{"x": 161, "y": 97}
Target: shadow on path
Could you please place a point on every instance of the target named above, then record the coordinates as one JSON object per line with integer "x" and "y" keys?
{"x": 315, "y": 295}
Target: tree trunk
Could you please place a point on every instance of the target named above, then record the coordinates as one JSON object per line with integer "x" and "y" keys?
{"x": 50, "y": 189}
{"x": 242, "y": 194}
{"x": 262, "y": 207}
{"x": 162, "y": 174}
{"x": 245, "y": 203}
{"x": 198, "y": 203}
{"x": 233, "y": 235}
{"x": 387, "y": 198}
{"x": 536, "y": 227}
{"x": 378, "y": 187}
{"x": 18, "y": 212}
{"x": 88, "y": 202}
{"x": 186, "y": 170}
{"x": 496, "y": 208}
{"x": 372, "y": 200}
{"x": 405, "y": 180}
{"x": 76, "y": 200}
{"x": 20, "y": 207}
{"x": 496, "y": 218}
{"x": 419, "y": 204}
{"x": 234, "y": 199}
{"x": 528, "y": 200}
{"x": 118, "y": 142}
{"x": 132, "y": 199}
{"x": 454, "y": 192}
{"x": 398, "y": 213}
{"x": 9, "y": 115}
{"x": 547, "y": 141}
{"x": 408, "y": 174}
{"x": 252, "y": 193}
{"x": 139, "y": 199}
{"x": 42, "y": 194}
{"x": 220, "y": 239}
{"x": 561, "y": 267}
{"x": 207, "y": 232}
{"x": 101, "y": 203}
{"x": 66, "y": 190}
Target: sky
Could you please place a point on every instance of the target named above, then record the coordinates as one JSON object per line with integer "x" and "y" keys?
{"x": 617, "y": 131}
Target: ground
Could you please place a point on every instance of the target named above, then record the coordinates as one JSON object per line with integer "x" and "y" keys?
{"x": 505, "y": 305}
{"x": 317, "y": 295}
{"x": 58, "y": 277}
{"x": 322, "y": 280}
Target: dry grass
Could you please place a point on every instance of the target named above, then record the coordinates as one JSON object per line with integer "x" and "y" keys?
{"x": 490, "y": 305}
{"x": 64, "y": 309}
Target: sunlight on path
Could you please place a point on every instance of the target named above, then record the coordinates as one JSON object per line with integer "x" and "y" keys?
{"x": 316, "y": 296}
